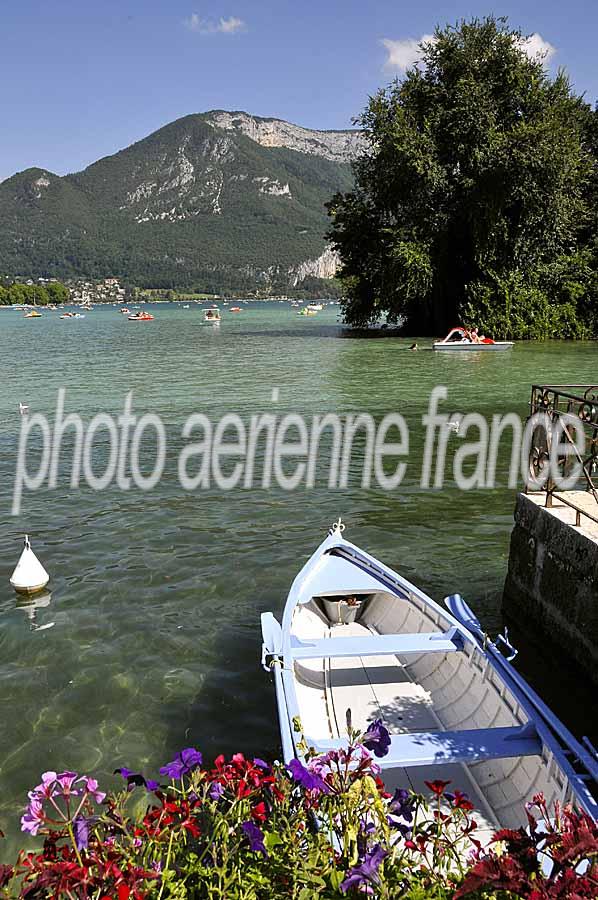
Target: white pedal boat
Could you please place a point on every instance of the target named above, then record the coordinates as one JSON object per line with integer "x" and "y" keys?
{"x": 458, "y": 339}
{"x": 358, "y": 637}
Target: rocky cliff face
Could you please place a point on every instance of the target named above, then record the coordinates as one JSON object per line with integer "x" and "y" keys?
{"x": 339, "y": 146}
{"x": 215, "y": 201}
{"x": 325, "y": 266}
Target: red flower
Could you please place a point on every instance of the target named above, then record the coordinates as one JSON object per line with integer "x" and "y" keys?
{"x": 192, "y": 827}
{"x": 461, "y": 801}
{"x": 259, "y": 812}
{"x": 437, "y": 787}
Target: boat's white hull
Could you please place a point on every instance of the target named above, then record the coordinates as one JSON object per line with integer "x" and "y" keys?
{"x": 456, "y": 346}
{"x": 400, "y": 657}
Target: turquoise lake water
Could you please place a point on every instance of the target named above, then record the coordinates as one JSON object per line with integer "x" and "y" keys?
{"x": 156, "y": 596}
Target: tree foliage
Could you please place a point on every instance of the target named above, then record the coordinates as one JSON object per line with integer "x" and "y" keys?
{"x": 33, "y": 294}
{"x": 472, "y": 199}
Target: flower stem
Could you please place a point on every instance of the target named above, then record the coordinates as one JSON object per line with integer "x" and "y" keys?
{"x": 167, "y": 865}
{"x": 74, "y": 843}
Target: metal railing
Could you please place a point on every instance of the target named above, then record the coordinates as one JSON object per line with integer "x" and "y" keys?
{"x": 566, "y": 407}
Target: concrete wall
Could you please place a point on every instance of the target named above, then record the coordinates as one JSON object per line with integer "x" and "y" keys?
{"x": 552, "y": 581}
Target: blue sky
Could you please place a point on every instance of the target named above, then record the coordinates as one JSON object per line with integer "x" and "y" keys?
{"x": 79, "y": 80}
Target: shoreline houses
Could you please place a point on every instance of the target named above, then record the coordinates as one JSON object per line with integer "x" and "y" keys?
{"x": 108, "y": 290}
{"x": 105, "y": 290}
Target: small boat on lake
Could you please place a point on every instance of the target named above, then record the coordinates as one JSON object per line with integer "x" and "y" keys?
{"x": 126, "y": 311}
{"x": 141, "y": 316}
{"x": 460, "y": 338}
{"x": 314, "y": 307}
{"x": 211, "y": 317}
{"x": 306, "y": 311}
{"x": 358, "y": 642}
{"x": 32, "y": 314}
{"x": 71, "y": 315}
{"x": 236, "y": 309}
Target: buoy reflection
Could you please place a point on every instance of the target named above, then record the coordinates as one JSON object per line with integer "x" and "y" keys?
{"x": 30, "y": 604}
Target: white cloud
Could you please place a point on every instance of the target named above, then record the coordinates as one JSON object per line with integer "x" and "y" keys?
{"x": 230, "y": 25}
{"x": 536, "y": 47}
{"x": 404, "y": 54}
{"x": 209, "y": 26}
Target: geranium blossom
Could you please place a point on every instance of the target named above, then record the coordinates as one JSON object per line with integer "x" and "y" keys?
{"x": 66, "y": 780}
{"x": 46, "y": 788}
{"x": 33, "y": 818}
{"x": 92, "y": 788}
{"x": 437, "y": 787}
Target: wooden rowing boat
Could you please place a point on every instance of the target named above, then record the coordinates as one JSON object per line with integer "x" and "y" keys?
{"x": 358, "y": 642}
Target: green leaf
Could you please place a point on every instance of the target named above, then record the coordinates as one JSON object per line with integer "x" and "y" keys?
{"x": 271, "y": 840}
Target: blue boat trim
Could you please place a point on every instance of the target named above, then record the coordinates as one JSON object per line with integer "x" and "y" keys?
{"x": 525, "y": 695}
{"x": 438, "y": 747}
{"x": 378, "y": 645}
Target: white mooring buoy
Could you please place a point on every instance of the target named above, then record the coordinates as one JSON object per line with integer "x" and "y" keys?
{"x": 29, "y": 575}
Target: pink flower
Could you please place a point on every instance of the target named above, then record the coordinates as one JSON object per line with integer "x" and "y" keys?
{"x": 91, "y": 786}
{"x": 46, "y": 788}
{"x": 66, "y": 781}
{"x": 33, "y": 817}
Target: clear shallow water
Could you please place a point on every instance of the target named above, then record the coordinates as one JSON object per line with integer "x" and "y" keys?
{"x": 155, "y": 597}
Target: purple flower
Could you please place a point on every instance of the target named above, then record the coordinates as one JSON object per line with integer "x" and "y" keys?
{"x": 401, "y": 804}
{"x": 33, "y": 817}
{"x": 45, "y": 789}
{"x": 136, "y": 779}
{"x": 401, "y": 808}
{"x": 365, "y": 829}
{"x": 182, "y": 764}
{"x": 66, "y": 781}
{"x": 365, "y": 873}
{"x": 91, "y": 786}
{"x": 260, "y": 763}
{"x": 309, "y": 780}
{"x": 216, "y": 791}
{"x": 255, "y": 837}
{"x": 377, "y": 738}
{"x": 81, "y": 832}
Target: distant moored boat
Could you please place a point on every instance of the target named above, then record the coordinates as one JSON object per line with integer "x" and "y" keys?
{"x": 141, "y": 317}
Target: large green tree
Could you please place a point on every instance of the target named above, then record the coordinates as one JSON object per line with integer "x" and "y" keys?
{"x": 472, "y": 185}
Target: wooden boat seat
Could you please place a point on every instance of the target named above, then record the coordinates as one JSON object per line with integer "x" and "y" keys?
{"x": 436, "y": 748}
{"x": 377, "y": 645}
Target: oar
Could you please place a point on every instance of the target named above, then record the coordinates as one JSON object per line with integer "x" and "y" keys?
{"x": 462, "y": 612}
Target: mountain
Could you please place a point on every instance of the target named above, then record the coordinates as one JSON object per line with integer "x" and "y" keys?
{"x": 215, "y": 201}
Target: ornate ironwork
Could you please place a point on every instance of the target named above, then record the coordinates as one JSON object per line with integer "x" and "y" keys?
{"x": 567, "y": 407}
